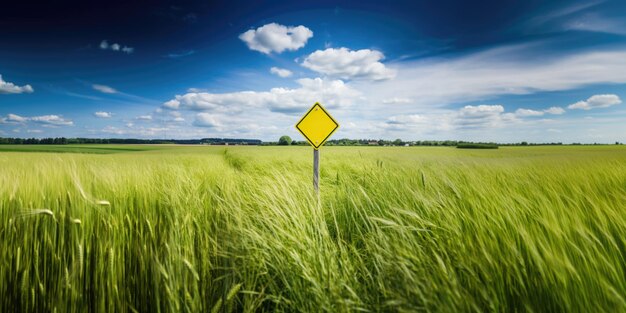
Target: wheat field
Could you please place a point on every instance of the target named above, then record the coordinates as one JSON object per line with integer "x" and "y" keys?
{"x": 239, "y": 229}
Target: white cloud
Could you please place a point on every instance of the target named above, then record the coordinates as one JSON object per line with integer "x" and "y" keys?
{"x": 206, "y": 120}
{"x": 331, "y": 93}
{"x": 281, "y": 72}
{"x": 596, "y": 101}
{"x": 34, "y": 131}
{"x": 16, "y": 118}
{"x": 174, "y": 104}
{"x": 482, "y": 116}
{"x": 103, "y": 88}
{"x": 10, "y": 88}
{"x": 396, "y": 100}
{"x": 102, "y": 114}
{"x": 406, "y": 119}
{"x": 46, "y": 120}
{"x": 276, "y": 38}
{"x": 438, "y": 82}
{"x": 54, "y": 120}
{"x": 13, "y": 119}
{"x": 528, "y": 112}
{"x": 347, "y": 64}
{"x": 555, "y": 110}
{"x": 196, "y": 90}
{"x": 593, "y": 22}
{"x": 104, "y": 45}
{"x": 145, "y": 117}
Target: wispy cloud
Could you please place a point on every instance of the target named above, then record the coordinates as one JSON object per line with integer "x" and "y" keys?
{"x": 496, "y": 72}
{"x": 49, "y": 120}
{"x": 104, "y": 89}
{"x": 594, "y": 22}
{"x": 181, "y": 54}
{"x": 78, "y": 95}
{"x": 53, "y": 120}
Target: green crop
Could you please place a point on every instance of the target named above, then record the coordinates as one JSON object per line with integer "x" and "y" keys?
{"x": 221, "y": 229}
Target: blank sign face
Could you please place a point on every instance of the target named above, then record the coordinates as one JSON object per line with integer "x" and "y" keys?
{"x": 317, "y": 125}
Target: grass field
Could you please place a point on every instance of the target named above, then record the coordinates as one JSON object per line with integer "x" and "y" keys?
{"x": 215, "y": 229}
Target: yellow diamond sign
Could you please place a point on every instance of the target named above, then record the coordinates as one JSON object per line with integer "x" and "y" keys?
{"x": 317, "y": 125}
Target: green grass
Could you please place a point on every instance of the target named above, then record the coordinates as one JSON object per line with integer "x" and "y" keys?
{"x": 209, "y": 229}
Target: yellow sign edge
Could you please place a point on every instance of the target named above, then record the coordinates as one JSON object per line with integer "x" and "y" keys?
{"x": 330, "y": 134}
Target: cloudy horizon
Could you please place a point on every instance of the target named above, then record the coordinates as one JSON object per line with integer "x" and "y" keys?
{"x": 538, "y": 72}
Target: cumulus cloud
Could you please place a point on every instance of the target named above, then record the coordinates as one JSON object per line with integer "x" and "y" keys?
{"x": 347, "y": 64}
{"x": 555, "y": 110}
{"x": 596, "y": 101}
{"x": 206, "y": 120}
{"x": 331, "y": 93}
{"x": 104, "y": 45}
{"x": 281, "y": 72}
{"x": 103, "y": 88}
{"x": 482, "y": 116}
{"x": 527, "y": 112}
{"x": 10, "y": 88}
{"x": 102, "y": 114}
{"x": 276, "y": 38}
{"x": 53, "y": 120}
{"x": 147, "y": 117}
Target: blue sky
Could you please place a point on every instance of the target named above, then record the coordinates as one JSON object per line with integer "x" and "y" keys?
{"x": 506, "y": 71}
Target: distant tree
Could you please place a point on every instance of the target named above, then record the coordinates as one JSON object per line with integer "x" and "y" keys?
{"x": 284, "y": 141}
{"x": 524, "y": 143}
{"x": 398, "y": 142}
{"x": 617, "y": 142}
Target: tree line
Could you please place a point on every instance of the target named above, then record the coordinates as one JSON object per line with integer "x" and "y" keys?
{"x": 284, "y": 140}
{"x": 66, "y": 141}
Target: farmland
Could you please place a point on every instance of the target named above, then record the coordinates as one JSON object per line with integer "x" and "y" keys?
{"x": 221, "y": 229}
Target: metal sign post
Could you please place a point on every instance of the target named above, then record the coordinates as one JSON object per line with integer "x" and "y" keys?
{"x": 316, "y": 170}
{"x": 317, "y": 126}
